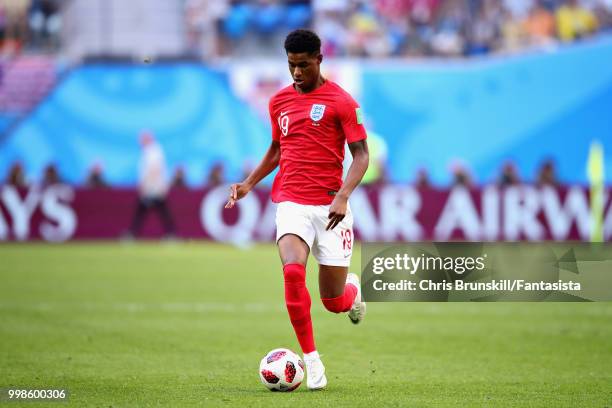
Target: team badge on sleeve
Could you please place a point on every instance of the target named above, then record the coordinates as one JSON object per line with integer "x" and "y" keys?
{"x": 316, "y": 112}
{"x": 359, "y": 115}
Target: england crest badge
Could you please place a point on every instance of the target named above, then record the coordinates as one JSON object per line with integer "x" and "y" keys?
{"x": 316, "y": 112}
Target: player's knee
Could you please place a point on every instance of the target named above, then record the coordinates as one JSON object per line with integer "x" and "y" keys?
{"x": 334, "y": 305}
{"x": 294, "y": 272}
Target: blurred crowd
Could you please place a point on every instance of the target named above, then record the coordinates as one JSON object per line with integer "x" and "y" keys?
{"x": 460, "y": 176}
{"x": 95, "y": 177}
{"x": 34, "y": 24}
{"x": 388, "y": 28}
{"x": 360, "y": 28}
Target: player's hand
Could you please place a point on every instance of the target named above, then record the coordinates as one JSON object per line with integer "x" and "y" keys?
{"x": 237, "y": 191}
{"x": 337, "y": 212}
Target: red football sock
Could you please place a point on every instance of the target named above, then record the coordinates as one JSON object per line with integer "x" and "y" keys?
{"x": 297, "y": 300}
{"x": 343, "y": 302}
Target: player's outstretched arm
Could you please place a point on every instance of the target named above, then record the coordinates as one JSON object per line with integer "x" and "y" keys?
{"x": 361, "y": 157}
{"x": 265, "y": 167}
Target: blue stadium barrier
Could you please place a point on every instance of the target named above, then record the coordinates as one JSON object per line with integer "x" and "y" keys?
{"x": 97, "y": 112}
{"x": 525, "y": 108}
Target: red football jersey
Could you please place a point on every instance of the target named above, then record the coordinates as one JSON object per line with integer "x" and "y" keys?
{"x": 312, "y": 129}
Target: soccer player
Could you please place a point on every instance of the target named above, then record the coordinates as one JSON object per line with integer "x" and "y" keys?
{"x": 312, "y": 119}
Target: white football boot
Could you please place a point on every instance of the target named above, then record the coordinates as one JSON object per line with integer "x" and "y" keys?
{"x": 358, "y": 310}
{"x": 315, "y": 373}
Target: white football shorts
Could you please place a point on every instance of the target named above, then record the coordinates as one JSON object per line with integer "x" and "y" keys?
{"x": 333, "y": 247}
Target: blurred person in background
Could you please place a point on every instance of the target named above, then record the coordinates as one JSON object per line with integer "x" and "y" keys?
{"x": 178, "y": 178}
{"x": 95, "y": 177}
{"x": 509, "y": 175}
{"x": 547, "y": 174}
{"x": 45, "y": 23}
{"x": 152, "y": 186}
{"x": 424, "y": 14}
{"x": 449, "y": 38}
{"x": 330, "y": 23}
{"x": 603, "y": 14}
{"x": 461, "y": 175}
{"x": 15, "y": 14}
{"x": 51, "y": 175}
{"x": 422, "y": 181}
{"x": 16, "y": 176}
{"x": 203, "y": 20}
{"x": 216, "y": 177}
{"x": 539, "y": 25}
{"x": 512, "y": 33}
{"x": 483, "y": 33}
{"x": 574, "y": 21}
{"x": 367, "y": 36}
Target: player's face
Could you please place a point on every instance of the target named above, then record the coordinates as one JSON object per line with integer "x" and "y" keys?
{"x": 304, "y": 69}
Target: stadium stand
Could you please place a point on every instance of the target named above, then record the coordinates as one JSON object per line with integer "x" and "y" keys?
{"x": 136, "y": 28}
{"x": 393, "y": 28}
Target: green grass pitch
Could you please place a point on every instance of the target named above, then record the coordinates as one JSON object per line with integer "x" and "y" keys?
{"x": 186, "y": 324}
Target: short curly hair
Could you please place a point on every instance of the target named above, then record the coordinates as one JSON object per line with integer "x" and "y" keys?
{"x": 299, "y": 41}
